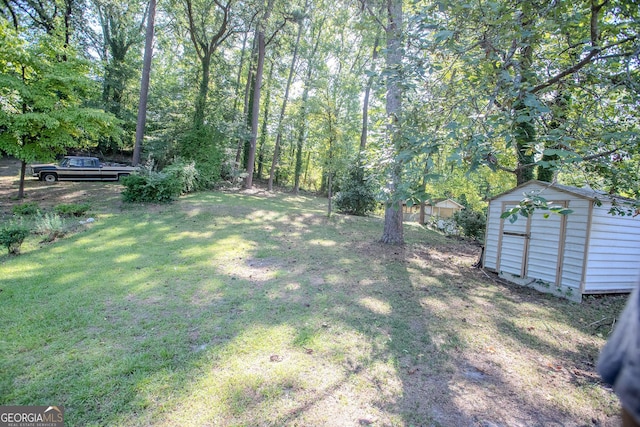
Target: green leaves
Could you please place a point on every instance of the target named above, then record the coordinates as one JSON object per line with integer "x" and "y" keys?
{"x": 43, "y": 99}
{"x": 531, "y": 203}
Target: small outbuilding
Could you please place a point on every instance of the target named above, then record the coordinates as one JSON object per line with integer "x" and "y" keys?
{"x": 589, "y": 251}
{"x": 441, "y": 208}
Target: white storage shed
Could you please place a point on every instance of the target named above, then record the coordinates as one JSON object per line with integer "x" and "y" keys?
{"x": 589, "y": 251}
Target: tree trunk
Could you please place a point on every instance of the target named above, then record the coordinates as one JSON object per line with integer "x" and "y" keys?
{"x": 306, "y": 169}
{"x": 23, "y": 169}
{"x": 206, "y": 41}
{"x": 144, "y": 84}
{"x": 236, "y": 164}
{"x": 255, "y": 109}
{"x": 303, "y": 113}
{"x": 365, "y": 102}
{"x": 276, "y": 149}
{"x": 201, "y": 100}
{"x": 559, "y": 111}
{"x": 265, "y": 118}
{"x": 239, "y": 77}
{"x": 524, "y": 128}
{"x": 255, "y": 105}
{"x": 393, "y": 231}
{"x": 243, "y": 143}
{"x": 330, "y": 195}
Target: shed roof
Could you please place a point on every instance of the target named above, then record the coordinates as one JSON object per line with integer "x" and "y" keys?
{"x": 584, "y": 192}
{"x": 443, "y": 202}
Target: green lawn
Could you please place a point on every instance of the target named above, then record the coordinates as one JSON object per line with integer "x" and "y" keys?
{"x": 240, "y": 309}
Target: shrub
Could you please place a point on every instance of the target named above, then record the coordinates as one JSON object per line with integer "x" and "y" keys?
{"x": 26, "y": 209}
{"x": 472, "y": 223}
{"x": 50, "y": 225}
{"x": 12, "y": 235}
{"x": 151, "y": 187}
{"x": 357, "y": 193}
{"x": 73, "y": 209}
{"x": 186, "y": 173}
{"x": 204, "y": 146}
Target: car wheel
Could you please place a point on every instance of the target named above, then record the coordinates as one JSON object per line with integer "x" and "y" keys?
{"x": 50, "y": 177}
{"x": 122, "y": 175}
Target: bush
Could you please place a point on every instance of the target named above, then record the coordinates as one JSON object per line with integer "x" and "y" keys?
{"x": 50, "y": 225}
{"x": 472, "y": 223}
{"x": 26, "y": 209}
{"x": 357, "y": 193}
{"x": 204, "y": 147}
{"x": 12, "y": 235}
{"x": 151, "y": 187}
{"x": 186, "y": 173}
{"x": 73, "y": 209}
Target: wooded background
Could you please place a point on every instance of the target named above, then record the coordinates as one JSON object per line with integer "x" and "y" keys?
{"x": 424, "y": 99}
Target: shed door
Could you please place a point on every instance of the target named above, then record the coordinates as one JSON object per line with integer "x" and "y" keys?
{"x": 514, "y": 246}
{"x": 544, "y": 257}
{"x": 533, "y": 247}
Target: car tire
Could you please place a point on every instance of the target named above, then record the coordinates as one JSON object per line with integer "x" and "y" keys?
{"x": 122, "y": 175}
{"x": 49, "y": 177}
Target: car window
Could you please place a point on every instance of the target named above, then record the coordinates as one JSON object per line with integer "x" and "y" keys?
{"x": 75, "y": 163}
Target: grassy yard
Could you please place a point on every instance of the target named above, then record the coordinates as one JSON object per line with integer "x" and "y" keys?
{"x": 254, "y": 310}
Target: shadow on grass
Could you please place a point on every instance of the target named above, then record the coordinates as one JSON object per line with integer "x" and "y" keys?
{"x": 241, "y": 310}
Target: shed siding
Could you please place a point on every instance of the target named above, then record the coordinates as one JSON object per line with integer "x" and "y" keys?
{"x": 492, "y": 236}
{"x": 614, "y": 252}
{"x": 598, "y": 252}
{"x": 575, "y": 242}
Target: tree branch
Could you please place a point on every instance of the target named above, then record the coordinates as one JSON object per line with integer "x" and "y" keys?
{"x": 192, "y": 30}
{"x": 280, "y": 27}
{"x": 599, "y": 155}
{"x": 365, "y": 6}
{"x": 222, "y": 33}
{"x": 567, "y": 72}
{"x": 593, "y": 56}
{"x": 14, "y": 18}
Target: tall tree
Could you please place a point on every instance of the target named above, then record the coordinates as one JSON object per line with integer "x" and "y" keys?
{"x": 367, "y": 93}
{"x": 209, "y": 26}
{"x": 144, "y": 83}
{"x": 265, "y": 122}
{"x": 302, "y": 120}
{"x": 393, "y": 230}
{"x": 299, "y": 18}
{"x": 255, "y": 107}
{"x": 121, "y": 25}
